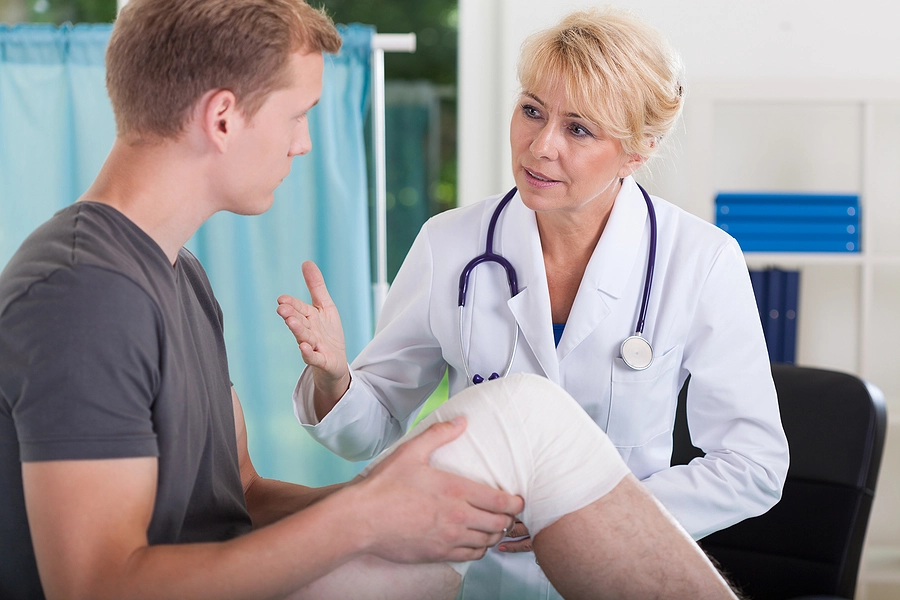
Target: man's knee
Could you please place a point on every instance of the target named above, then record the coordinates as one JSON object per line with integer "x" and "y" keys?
{"x": 528, "y": 436}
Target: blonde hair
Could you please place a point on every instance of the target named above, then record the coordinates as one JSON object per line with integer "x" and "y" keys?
{"x": 163, "y": 55}
{"x": 618, "y": 72}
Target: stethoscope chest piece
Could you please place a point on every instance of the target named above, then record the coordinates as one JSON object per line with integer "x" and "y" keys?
{"x": 637, "y": 353}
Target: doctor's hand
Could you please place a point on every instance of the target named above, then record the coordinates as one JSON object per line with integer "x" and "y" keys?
{"x": 320, "y": 336}
{"x": 417, "y": 513}
{"x": 517, "y": 539}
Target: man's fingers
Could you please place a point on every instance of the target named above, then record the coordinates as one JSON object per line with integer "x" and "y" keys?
{"x": 315, "y": 282}
{"x": 479, "y": 496}
{"x": 488, "y": 524}
{"x": 466, "y": 554}
{"x": 477, "y": 540}
{"x": 433, "y": 438}
{"x": 494, "y": 501}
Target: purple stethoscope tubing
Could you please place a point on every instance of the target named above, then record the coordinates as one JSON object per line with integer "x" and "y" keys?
{"x": 636, "y": 351}
{"x": 651, "y": 262}
{"x": 490, "y": 256}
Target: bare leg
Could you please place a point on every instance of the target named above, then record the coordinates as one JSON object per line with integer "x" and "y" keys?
{"x": 626, "y": 545}
{"x": 598, "y": 533}
{"x": 371, "y": 578}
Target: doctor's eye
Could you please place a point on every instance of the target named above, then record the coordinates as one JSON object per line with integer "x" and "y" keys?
{"x": 530, "y": 111}
{"x": 580, "y": 130}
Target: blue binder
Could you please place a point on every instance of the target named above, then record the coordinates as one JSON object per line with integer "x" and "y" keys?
{"x": 758, "y": 280}
{"x": 755, "y": 244}
{"x": 791, "y": 228}
{"x": 801, "y": 211}
{"x": 773, "y": 325}
{"x": 791, "y": 302}
{"x": 777, "y": 222}
{"x": 785, "y": 198}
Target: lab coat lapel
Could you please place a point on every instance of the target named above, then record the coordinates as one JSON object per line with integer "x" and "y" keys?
{"x": 531, "y": 307}
{"x": 610, "y": 268}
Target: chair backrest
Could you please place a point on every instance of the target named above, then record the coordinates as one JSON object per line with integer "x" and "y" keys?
{"x": 809, "y": 543}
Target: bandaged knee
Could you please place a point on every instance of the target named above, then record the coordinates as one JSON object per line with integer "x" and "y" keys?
{"x": 527, "y": 436}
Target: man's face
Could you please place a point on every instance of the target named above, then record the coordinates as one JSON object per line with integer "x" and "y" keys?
{"x": 265, "y": 144}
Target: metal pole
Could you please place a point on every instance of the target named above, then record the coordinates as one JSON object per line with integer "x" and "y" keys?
{"x": 380, "y": 285}
{"x": 381, "y": 43}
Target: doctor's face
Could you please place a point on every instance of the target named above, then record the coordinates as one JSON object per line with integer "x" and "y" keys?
{"x": 560, "y": 160}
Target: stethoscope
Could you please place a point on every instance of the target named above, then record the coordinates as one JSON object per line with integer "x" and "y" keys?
{"x": 635, "y": 349}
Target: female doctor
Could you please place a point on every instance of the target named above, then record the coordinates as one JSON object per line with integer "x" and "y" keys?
{"x": 582, "y": 278}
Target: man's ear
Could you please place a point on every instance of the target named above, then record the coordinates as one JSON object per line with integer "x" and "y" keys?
{"x": 219, "y": 117}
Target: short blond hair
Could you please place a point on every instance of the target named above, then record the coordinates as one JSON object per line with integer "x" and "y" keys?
{"x": 163, "y": 55}
{"x": 618, "y": 72}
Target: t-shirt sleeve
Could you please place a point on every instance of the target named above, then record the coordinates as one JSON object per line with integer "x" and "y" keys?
{"x": 86, "y": 343}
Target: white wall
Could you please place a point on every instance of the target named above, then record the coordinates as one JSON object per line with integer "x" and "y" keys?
{"x": 718, "y": 39}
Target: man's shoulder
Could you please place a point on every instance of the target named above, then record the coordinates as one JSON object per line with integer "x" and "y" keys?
{"x": 90, "y": 242}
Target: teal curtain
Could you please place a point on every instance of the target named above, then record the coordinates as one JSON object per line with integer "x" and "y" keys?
{"x": 56, "y": 125}
{"x": 56, "y": 128}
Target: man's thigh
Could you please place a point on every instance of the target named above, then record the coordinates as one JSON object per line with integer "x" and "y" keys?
{"x": 372, "y": 578}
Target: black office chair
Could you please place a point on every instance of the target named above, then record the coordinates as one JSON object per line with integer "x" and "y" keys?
{"x": 810, "y": 543}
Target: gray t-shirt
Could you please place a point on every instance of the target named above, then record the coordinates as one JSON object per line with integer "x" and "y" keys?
{"x": 108, "y": 351}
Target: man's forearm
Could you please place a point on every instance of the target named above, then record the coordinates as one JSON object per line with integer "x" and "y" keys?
{"x": 270, "y": 500}
{"x": 271, "y": 562}
{"x": 88, "y": 522}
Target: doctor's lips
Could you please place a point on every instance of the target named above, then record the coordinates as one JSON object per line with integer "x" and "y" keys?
{"x": 538, "y": 179}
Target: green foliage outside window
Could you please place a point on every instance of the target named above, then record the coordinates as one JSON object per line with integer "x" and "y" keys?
{"x": 57, "y": 11}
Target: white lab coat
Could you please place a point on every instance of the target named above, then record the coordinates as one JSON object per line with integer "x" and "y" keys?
{"x": 702, "y": 320}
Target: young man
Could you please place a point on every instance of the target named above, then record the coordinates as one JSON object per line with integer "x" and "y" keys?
{"x": 120, "y": 436}
{"x": 124, "y": 470}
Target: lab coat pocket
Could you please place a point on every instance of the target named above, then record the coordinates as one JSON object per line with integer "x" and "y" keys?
{"x": 640, "y": 405}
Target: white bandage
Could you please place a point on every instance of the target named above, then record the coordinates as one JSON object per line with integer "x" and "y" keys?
{"x": 529, "y": 437}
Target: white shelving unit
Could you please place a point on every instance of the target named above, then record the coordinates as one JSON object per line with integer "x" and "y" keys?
{"x": 816, "y": 136}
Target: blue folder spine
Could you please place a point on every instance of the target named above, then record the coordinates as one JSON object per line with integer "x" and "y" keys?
{"x": 773, "y": 327}
{"x": 782, "y": 227}
{"x": 785, "y": 198}
{"x": 777, "y": 294}
{"x": 758, "y": 280}
{"x": 791, "y": 301}
{"x": 751, "y": 244}
{"x": 802, "y": 211}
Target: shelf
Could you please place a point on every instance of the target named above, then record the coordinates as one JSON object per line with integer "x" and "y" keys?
{"x": 820, "y": 136}
{"x": 800, "y": 259}
{"x": 795, "y": 90}
{"x": 803, "y": 258}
